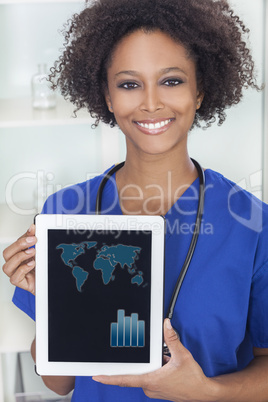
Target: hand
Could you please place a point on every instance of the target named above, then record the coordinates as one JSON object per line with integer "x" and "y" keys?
{"x": 20, "y": 261}
{"x": 181, "y": 379}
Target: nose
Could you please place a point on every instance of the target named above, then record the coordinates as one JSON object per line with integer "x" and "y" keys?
{"x": 151, "y": 101}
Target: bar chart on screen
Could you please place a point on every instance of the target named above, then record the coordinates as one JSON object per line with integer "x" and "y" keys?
{"x": 127, "y": 331}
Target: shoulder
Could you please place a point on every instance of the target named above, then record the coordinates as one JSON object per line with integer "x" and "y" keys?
{"x": 76, "y": 199}
{"x": 242, "y": 216}
{"x": 239, "y": 203}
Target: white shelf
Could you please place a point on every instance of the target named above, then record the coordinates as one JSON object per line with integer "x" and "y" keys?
{"x": 19, "y": 113}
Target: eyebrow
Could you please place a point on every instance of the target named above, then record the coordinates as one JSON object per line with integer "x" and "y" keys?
{"x": 163, "y": 71}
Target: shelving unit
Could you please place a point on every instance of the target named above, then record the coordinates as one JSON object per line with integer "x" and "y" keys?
{"x": 29, "y": 35}
{"x": 18, "y": 113}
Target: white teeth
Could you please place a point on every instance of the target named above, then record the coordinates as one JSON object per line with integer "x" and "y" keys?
{"x": 152, "y": 126}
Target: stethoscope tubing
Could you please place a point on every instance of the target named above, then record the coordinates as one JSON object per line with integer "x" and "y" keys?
{"x": 190, "y": 253}
{"x": 107, "y": 177}
{"x": 197, "y": 226}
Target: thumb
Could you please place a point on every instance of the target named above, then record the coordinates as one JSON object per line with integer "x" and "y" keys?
{"x": 172, "y": 339}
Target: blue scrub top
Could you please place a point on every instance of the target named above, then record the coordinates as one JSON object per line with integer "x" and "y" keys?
{"x": 222, "y": 309}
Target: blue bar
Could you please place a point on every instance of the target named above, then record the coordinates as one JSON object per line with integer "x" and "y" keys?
{"x": 141, "y": 333}
{"x": 134, "y": 332}
{"x": 120, "y": 319}
{"x": 113, "y": 334}
{"x": 127, "y": 331}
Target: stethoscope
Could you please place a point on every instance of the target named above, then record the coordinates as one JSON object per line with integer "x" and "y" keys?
{"x": 196, "y": 231}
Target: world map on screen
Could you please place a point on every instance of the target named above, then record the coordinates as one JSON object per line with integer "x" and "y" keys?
{"x": 108, "y": 259}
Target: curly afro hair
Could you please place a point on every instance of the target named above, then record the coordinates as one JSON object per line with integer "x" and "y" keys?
{"x": 210, "y": 31}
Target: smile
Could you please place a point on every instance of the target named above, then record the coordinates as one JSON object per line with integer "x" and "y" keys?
{"x": 153, "y": 126}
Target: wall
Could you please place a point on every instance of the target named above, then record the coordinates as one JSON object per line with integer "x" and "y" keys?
{"x": 236, "y": 148}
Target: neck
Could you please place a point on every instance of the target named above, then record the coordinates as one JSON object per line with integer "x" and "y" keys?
{"x": 151, "y": 184}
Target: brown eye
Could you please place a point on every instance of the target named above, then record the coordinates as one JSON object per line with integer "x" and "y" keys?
{"x": 128, "y": 85}
{"x": 172, "y": 82}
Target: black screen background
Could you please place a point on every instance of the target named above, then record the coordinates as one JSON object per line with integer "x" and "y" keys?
{"x": 79, "y": 322}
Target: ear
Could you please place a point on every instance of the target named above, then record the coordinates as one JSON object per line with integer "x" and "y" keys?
{"x": 108, "y": 100}
{"x": 199, "y": 100}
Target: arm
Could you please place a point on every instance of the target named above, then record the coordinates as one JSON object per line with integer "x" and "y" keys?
{"x": 62, "y": 385}
{"x": 250, "y": 384}
{"x": 182, "y": 379}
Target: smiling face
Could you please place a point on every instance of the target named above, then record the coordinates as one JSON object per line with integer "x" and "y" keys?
{"x": 152, "y": 91}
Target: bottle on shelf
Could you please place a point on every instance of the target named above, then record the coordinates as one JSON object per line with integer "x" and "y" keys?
{"x": 42, "y": 95}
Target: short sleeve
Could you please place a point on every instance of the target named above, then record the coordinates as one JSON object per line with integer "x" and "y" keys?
{"x": 76, "y": 199}
{"x": 258, "y": 308}
{"x": 25, "y": 301}
{"x": 69, "y": 200}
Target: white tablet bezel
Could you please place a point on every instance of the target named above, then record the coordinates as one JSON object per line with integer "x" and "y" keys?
{"x": 155, "y": 224}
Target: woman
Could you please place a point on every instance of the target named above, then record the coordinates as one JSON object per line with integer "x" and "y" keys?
{"x": 156, "y": 68}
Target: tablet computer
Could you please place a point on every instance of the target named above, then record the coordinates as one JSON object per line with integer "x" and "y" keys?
{"x": 99, "y": 294}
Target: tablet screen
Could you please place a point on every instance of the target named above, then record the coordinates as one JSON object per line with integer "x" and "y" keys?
{"x": 99, "y": 295}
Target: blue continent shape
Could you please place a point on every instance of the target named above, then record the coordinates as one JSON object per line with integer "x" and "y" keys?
{"x": 89, "y": 244}
{"x": 72, "y": 251}
{"x": 120, "y": 254}
{"x": 109, "y": 256}
{"x": 106, "y": 268}
{"x": 138, "y": 279}
{"x": 80, "y": 276}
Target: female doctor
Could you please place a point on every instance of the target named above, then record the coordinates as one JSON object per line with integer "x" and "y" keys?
{"x": 157, "y": 68}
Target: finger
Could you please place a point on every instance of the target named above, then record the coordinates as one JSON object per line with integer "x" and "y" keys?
{"x": 172, "y": 340}
{"x": 30, "y": 231}
{"x": 18, "y": 259}
{"x": 23, "y": 243}
{"x": 24, "y": 277}
{"x": 136, "y": 381}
